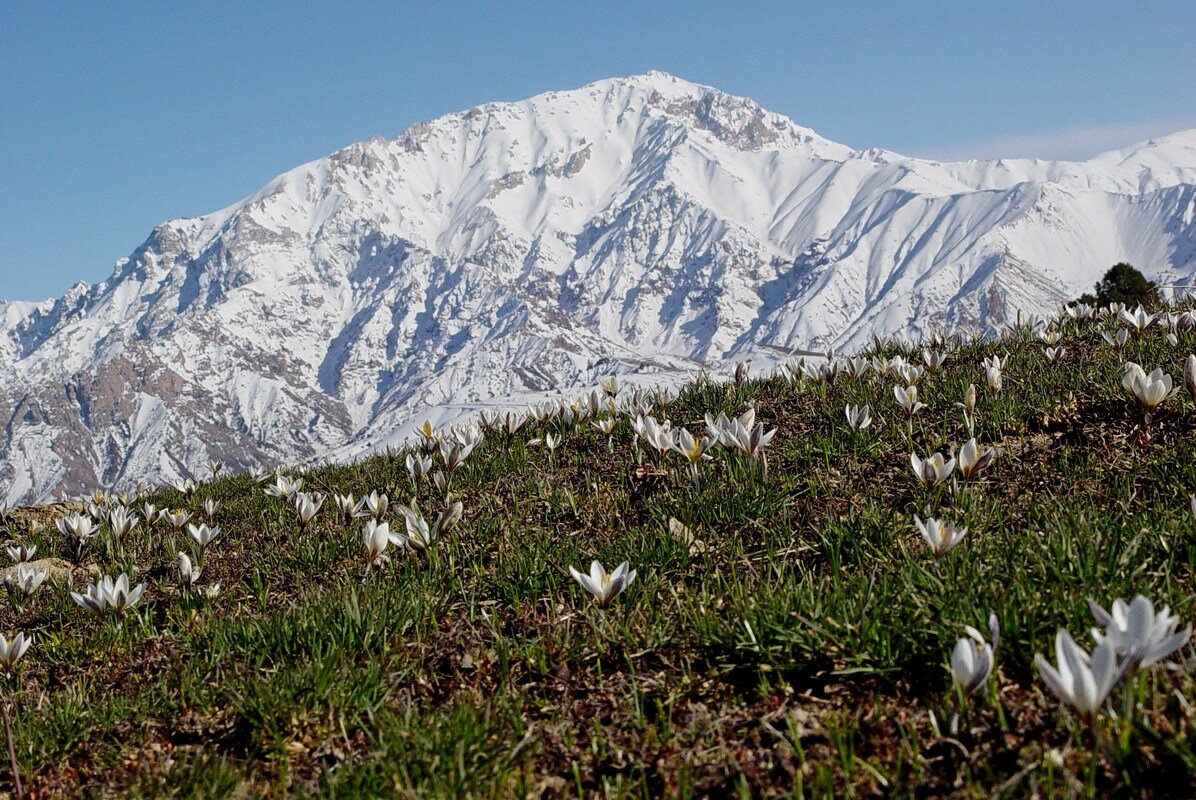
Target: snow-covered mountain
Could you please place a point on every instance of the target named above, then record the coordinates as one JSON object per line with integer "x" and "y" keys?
{"x": 634, "y": 225}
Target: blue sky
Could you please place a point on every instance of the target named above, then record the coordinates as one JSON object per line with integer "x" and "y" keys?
{"x": 118, "y": 116}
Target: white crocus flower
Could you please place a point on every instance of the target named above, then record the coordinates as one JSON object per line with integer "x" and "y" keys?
{"x": 22, "y": 553}
{"x": 753, "y": 442}
{"x": 741, "y": 372}
{"x": 551, "y": 440}
{"x": 999, "y": 362}
{"x": 968, "y": 405}
{"x": 26, "y": 580}
{"x": 1117, "y": 340}
{"x": 910, "y": 373}
{"x": 419, "y": 534}
{"x": 1139, "y": 635}
{"x": 658, "y": 435}
{"x": 573, "y": 412}
{"x": 1054, "y": 354}
{"x": 449, "y": 518}
{"x": 512, "y": 422}
{"x": 418, "y": 466}
{"x": 969, "y": 400}
{"x": 468, "y": 434}
{"x": 728, "y": 432}
{"x": 859, "y": 418}
{"x": 907, "y": 398}
{"x": 376, "y": 504}
{"x": 856, "y": 367}
{"x": 1131, "y": 373}
{"x": 121, "y": 521}
{"x": 994, "y": 379}
{"x": 1080, "y": 680}
{"x": 1150, "y": 390}
{"x": 543, "y": 412}
{"x": 284, "y": 486}
{"x": 972, "y": 659}
{"x": 12, "y": 650}
{"x": 933, "y": 359}
{"x": 1138, "y": 319}
{"x": 210, "y": 508}
{"x": 375, "y": 536}
{"x": 109, "y": 596}
{"x": 204, "y": 534}
{"x": 742, "y": 433}
{"x": 972, "y": 459}
{"x": 939, "y": 535}
{"x": 454, "y": 452}
{"x": 307, "y": 505}
{"x": 429, "y": 435}
{"x": 76, "y": 526}
{"x": 1080, "y": 311}
{"x": 606, "y": 425}
{"x": 822, "y": 371}
{"x": 693, "y": 449}
{"x": 932, "y": 470}
{"x": 891, "y": 365}
{"x": 602, "y": 585}
{"x": 188, "y": 572}
{"x": 717, "y": 427}
{"x": 349, "y": 508}
{"x": 176, "y": 519}
{"x": 79, "y": 528}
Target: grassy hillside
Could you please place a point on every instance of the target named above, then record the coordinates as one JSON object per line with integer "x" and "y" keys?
{"x": 789, "y": 633}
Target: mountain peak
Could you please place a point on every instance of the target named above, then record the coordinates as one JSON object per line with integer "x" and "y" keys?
{"x": 659, "y": 80}
{"x": 636, "y": 225}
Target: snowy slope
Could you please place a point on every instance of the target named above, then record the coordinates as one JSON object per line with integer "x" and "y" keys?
{"x": 636, "y": 225}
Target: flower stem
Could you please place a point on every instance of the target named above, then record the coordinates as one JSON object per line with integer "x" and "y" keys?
{"x": 12, "y": 753}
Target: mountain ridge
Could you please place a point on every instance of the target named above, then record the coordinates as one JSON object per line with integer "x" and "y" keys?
{"x": 634, "y": 224}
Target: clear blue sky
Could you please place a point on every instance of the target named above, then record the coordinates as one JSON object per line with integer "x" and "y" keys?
{"x": 115, "y": 116}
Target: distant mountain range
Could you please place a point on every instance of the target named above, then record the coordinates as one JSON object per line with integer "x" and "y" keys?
{"x": 635, "y": 225}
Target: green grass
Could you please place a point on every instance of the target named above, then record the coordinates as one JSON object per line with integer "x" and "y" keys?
{"x": 799, "y": 648}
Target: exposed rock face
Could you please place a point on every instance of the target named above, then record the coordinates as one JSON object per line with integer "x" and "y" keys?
{"x": 639, "y": 224}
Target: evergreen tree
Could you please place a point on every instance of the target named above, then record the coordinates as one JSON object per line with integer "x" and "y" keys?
{"x": 1123, "y": 284}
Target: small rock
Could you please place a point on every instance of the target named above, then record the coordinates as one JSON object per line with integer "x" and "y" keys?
{"x": 61, "y": 571}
